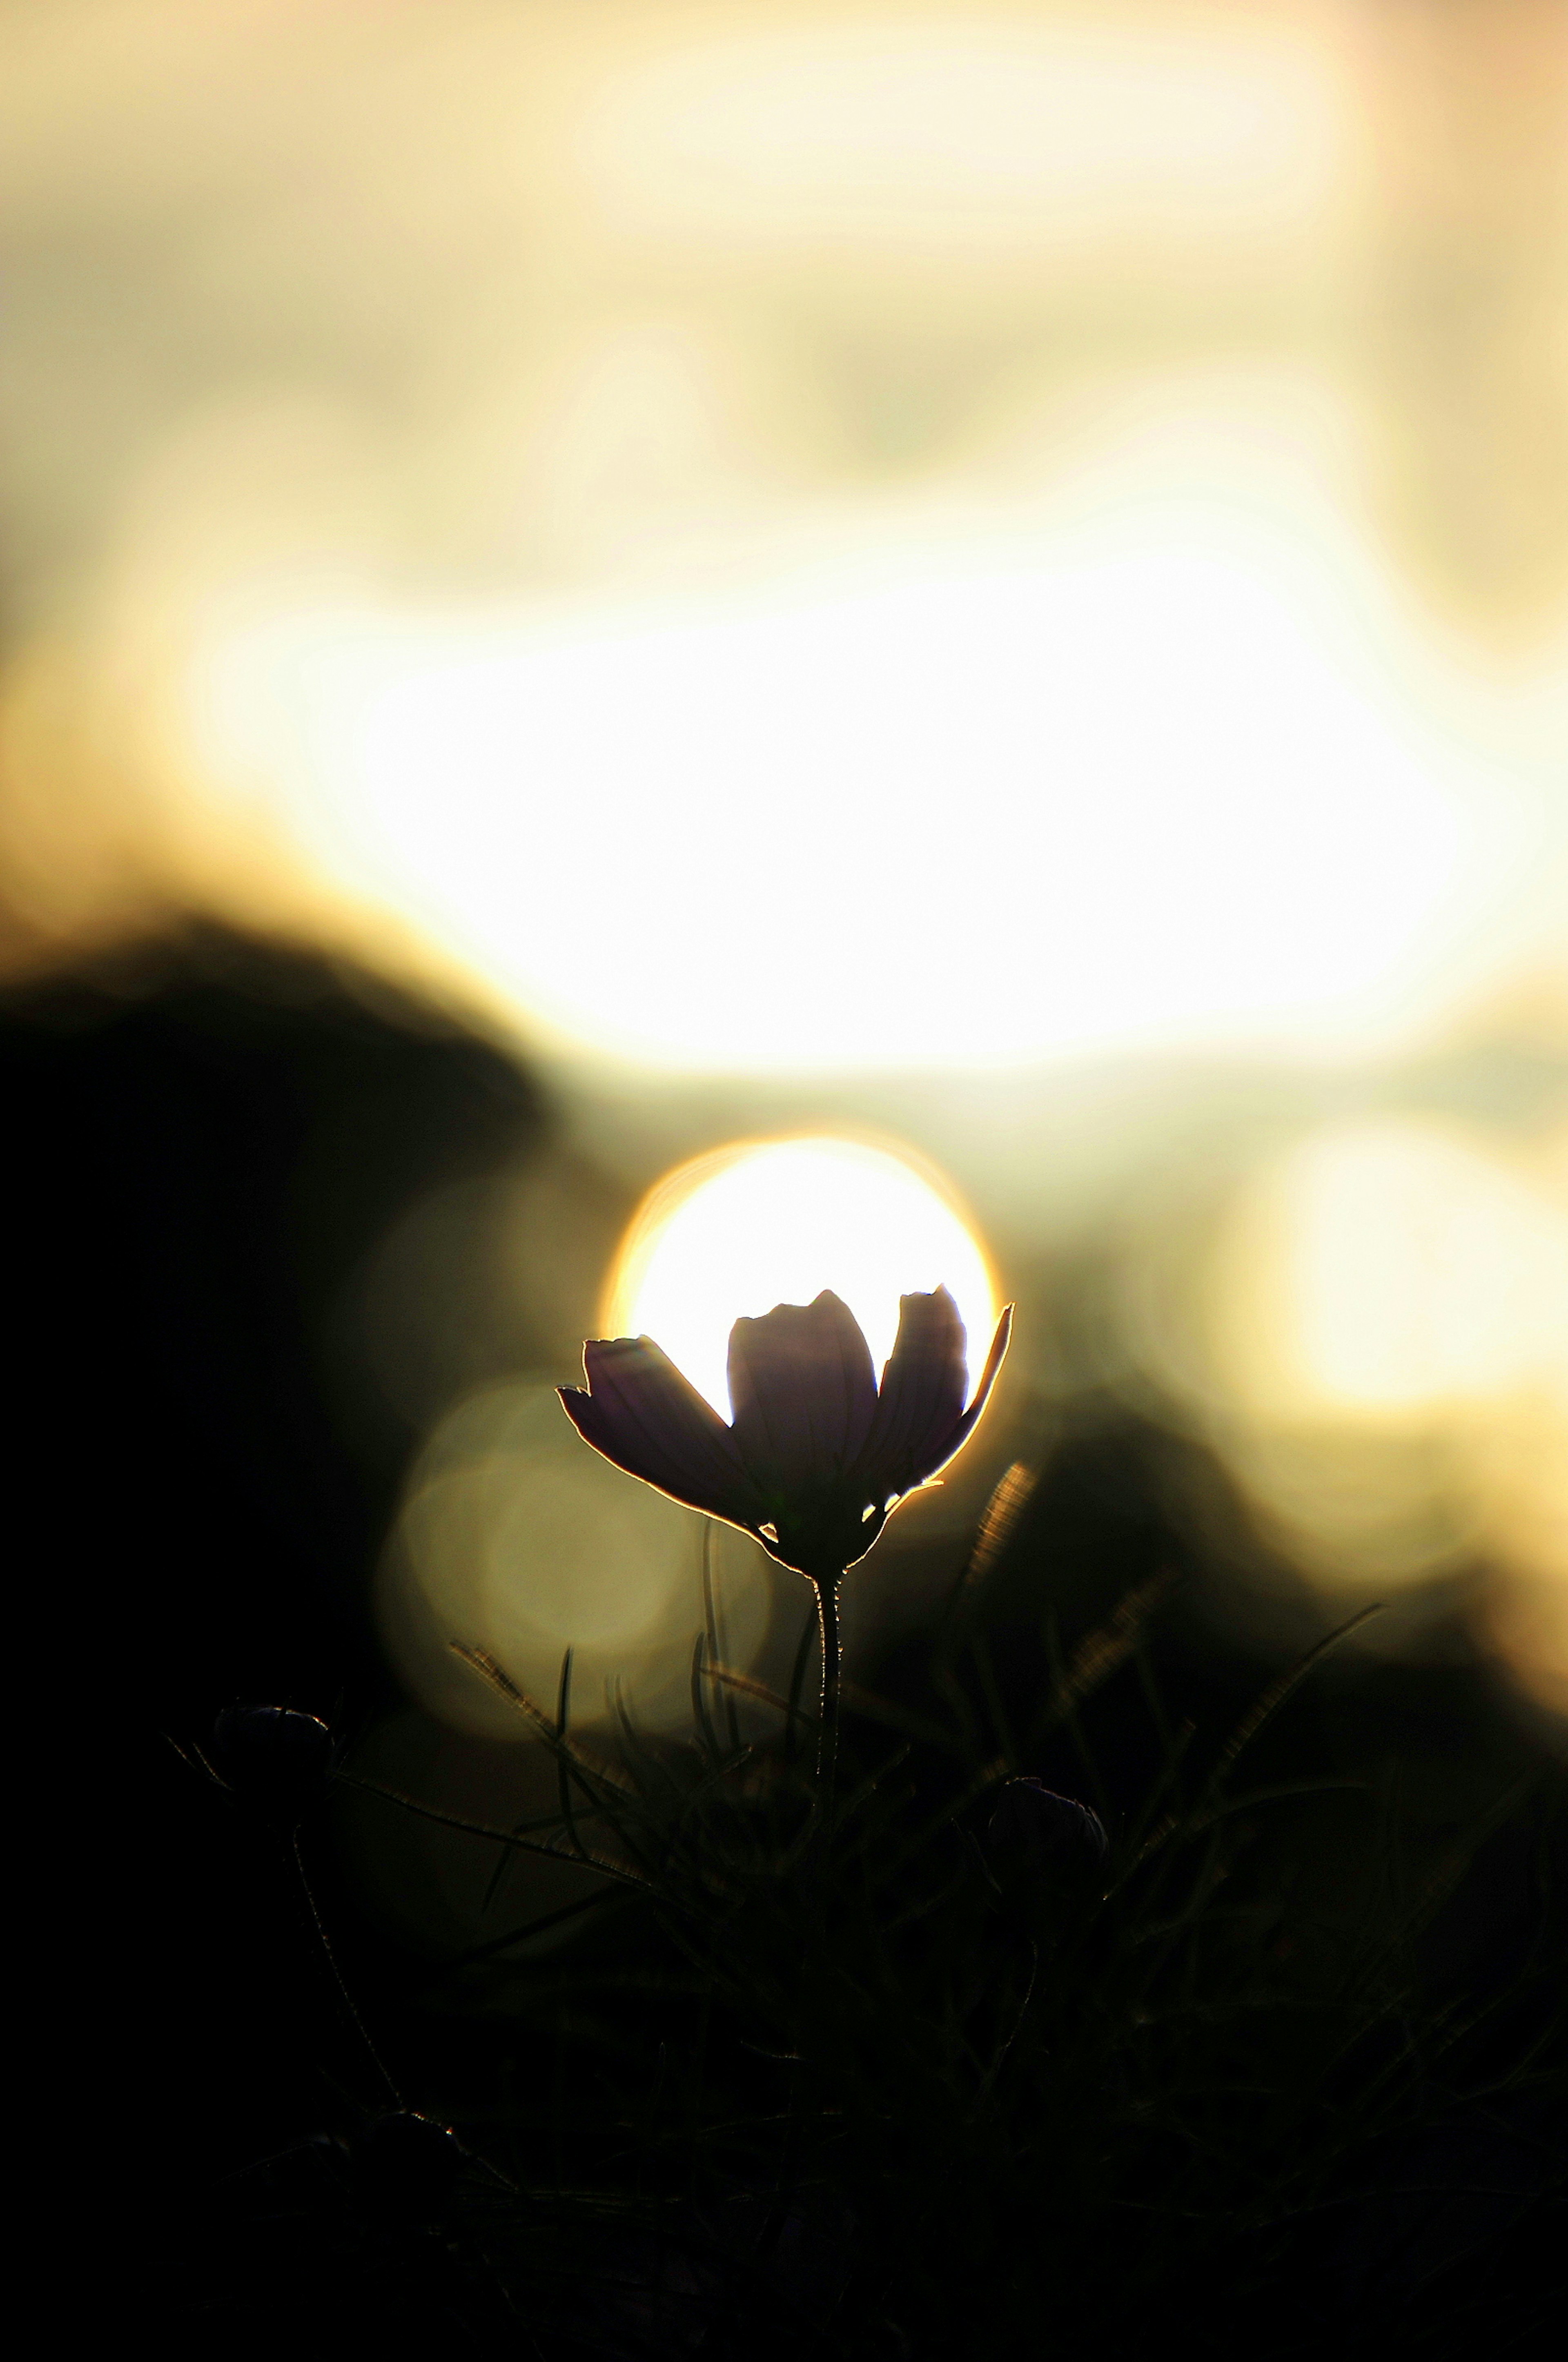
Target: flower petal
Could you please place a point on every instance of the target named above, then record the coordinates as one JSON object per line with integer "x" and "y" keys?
{"x": 804, "y": 1393}
{"x": 920, "y": 1420}
{"x": 922, "y": 1393}
{"x": 650, "y": 1420}
{"x": 961, "y": 1433}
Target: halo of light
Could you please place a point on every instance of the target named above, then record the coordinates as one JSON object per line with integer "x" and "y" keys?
{"x": 1389, "y": 1271}
{"x": 1387, "y": 1363}
{"x": 767, "y": 1222}
{"x": 513, "y": 1539}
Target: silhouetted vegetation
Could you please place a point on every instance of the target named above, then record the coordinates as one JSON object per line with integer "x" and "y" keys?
{"x": 921, "y": 2074}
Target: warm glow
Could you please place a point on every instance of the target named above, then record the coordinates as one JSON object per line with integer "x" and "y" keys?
{"x": 513, "y": 1539}
{"x": 990, "y": 137}
{"x": 798, "y": 538}
{"x": 1001, "y": 804}
{"x": 997, "y": 565}
{"x": 775, "y": 1222}
{"x": 1390, "y": 1367}
{"x": 1395, "y": 1269}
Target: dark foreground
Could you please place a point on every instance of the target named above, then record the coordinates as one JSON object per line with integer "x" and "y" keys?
{"x": 909, "y": 2076}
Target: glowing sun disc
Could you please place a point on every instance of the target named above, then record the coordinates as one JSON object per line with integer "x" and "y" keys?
{"x": 767, "y": 1222}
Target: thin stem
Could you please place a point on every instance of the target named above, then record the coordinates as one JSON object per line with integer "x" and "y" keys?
{"x": 827, "y": 1731}
{"x": 797, "y": 1684}
{"x": 347, "y": 1998}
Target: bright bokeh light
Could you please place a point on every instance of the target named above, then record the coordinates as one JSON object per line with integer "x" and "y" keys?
{"x": 776, "y": 1221}
{"x": 880, "y": 535}
{"x": 1392, "y": 1270}
{"x": 513, "y": 1539}
{"x": 1426, "y": 1272}
{"x": 987, "y": 808}
{"x": 990, "y": 137}
{"x": 1390, "y": 1335}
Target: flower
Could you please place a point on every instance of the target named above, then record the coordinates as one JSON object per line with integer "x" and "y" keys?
{"x": 818, "y": 1453}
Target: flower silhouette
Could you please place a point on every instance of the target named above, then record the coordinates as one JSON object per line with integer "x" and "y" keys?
{"x": 818, "y": 1454}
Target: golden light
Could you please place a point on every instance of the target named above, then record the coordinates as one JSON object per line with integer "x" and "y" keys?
{"x": 1389, "y": 1372}
{"x": 858, "y": 537}
{"x": 1391, "y": 1271}
{"x": 988, "y": 137}
{"x": 767, "y": 1222}
{"x": 981, "y": 802}
{"x": 513, "y": 1539}
{"x": 863, "y": 537}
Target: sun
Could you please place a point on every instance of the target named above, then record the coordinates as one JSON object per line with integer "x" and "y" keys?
{"x": 775, "y": 1222}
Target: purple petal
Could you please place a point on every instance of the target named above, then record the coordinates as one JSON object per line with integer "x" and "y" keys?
{"x": 804, "y": 1393}
{"x": 920, "y": 1420}
{"x": 922, "y": 1393}
{"x": 650, "y": 1420}
{"x": 961, "y": 1433}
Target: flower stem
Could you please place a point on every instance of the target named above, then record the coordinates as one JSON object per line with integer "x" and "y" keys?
{"x": 827, "y": 1729}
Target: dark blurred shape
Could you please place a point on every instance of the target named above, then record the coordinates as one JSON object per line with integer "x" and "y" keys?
{"x": 1034, "y": 1831}
{"x": 214, "y": 1134}
{"x": 272, "y": 1758}
{"x": 207, "y": 1139}
{"x": 739, "y": 2277}
{"x": 1453, "y": 2238}
{"x": 406, "y": 2167}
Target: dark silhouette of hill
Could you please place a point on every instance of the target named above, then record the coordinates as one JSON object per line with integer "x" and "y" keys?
{"x": 206, "y": 1138}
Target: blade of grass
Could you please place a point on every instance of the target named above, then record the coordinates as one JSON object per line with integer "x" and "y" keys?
{"x": 563, "y": 1775}
{"x": 715, "y": 1630}
{"x": 599, "y": 1783}
{"x": 988, "y": 2083}
{"x": 1101, "y": 1652}
{"x": 999, "y": 1522}
{"x": 498, "y": 1943}
{"x": 1275, "y": 1695}
{"x": 700, "y": 1714}
{"x": 483, "y": 1830}
{"x": 901, "y": 1718}
{"x": 727, "y": 1676}
{"x": 1064, "y": 1709}
{"x": 991, "y": 1688}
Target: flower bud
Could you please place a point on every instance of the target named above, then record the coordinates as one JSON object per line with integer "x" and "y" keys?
{"x": 1035, "y": 1832}
{"x": 406, "y": 2167}
{"x": 272, "y": 1757}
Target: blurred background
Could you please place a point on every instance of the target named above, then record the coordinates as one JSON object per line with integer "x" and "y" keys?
{"x": 991, "y": 582}
{"x": 654, "y": 656}
{"x": 973, "y": 598}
